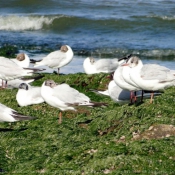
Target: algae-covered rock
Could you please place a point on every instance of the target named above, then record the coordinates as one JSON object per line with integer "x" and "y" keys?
{"x": 8, "y": 51}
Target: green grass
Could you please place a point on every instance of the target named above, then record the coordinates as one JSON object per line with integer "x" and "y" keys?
{"x": 88, "y": 141}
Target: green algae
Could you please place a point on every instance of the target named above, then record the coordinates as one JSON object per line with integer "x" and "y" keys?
{"x": 8, "y": 51}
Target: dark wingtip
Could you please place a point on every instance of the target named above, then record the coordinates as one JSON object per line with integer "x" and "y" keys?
{"x": 98, "y": 104}
{"x": 19, "y": 116}
{"x": 125, "y": 58}
{"x": 34, "y": 61}
{"x": 35, "y": 69}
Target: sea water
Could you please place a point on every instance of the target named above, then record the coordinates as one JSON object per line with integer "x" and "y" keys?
{"x": 102, "y": 29}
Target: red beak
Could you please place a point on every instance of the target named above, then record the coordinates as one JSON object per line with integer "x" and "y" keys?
{"x": 126, "y": 64}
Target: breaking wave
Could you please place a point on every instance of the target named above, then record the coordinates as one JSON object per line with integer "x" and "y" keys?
{"x": 19, "y": 23}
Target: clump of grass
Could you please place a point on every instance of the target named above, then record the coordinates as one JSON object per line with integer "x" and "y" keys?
{"x": 90, "y": 140}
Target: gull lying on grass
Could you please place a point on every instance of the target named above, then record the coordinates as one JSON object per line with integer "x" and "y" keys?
{"x": 56, "y": 59}
{"x": 64, "y": 97}
{"x": 28, "y": 95}
{"x": 151, "y": 77}
{"x": 16, "y": 82}
{"x": 120, "y": 95}
{"x": 22, "y": 60}
{"x": 9, "y": 115}
{"x": 10, "y": 70}
{"x": 92, "y": 66}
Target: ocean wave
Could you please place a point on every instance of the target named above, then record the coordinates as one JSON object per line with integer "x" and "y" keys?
{"x": 168, "y": 18}
{"x": 18, "y": 23}
{"x": 160, "y": 54}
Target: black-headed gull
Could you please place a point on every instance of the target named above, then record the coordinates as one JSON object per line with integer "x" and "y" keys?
{"x": 92, "y": 66}
{"x": 116, "y": 93}
{"x": 120, "y": 95}
{"x": 120, "y": 81}
{"x": 16, "y": 82}
{"x": 22, "y": 60}
{"x": 9, "y": 115}
{"x": 28, "y": 95}
{"x": 64, "y": 97}
{"x": 10, "y": 70}
{"x": 57, "y": 59}
{"x": 150, "y": 77}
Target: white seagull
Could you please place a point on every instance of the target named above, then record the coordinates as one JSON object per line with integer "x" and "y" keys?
{"x": 16, "y": 82}
{"x": 150, "y": 77}
{"x": 92, "y": 66}
{"x": 56, "y": 59}
{"x": 28, "y": 95}
{"x": 119, "y": 80}
{"x": 64, "y": 97}
{"x": 10, "y": 70}
{"x": 9, "y": 115}
{"x": 22, "y": 60}
{"x": 120, "y": 95}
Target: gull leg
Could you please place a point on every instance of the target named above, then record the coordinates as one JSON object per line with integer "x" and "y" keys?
{"x": 131, "y": 94}
{"x": 6, "y": 84}
{"x": 58, "y": 71}
{"x": 141, "y": 100}
{"x": 152, "y": 96}
{"x": 60, "y": 118}
{"x": 135, "y": 97}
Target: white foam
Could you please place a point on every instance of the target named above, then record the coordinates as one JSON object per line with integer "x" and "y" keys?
{"x": 17, "y": 23}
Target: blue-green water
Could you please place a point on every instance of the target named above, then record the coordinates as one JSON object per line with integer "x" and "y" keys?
{"x": 101, "y": 28}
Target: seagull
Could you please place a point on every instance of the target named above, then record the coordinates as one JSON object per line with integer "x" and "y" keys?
{"x": 92, "y": 66}
{"x": 22, "y": 60}
{"x": 16, "y": 82}
{"x": 116, "y": 93}
{"x": 150, "y": 77}
{"x": 9, "y": 115}
{"x": 120, "y": 95}
{"x": 56, "y": 59}
{"x": 119, "y": 80}
{"x": 10, "y": 70}
{"x": 64, "y": 97}
{"x": 28, "y": 95}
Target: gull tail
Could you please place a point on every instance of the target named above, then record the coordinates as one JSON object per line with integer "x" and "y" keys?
{"x": 125, "y": 58}
{"x": 34, "y": 69}
{"x": 31, "y": 79}
{"x": 100, "y": 92}
{"x": 19, "y": 117}
{"x": 97, "y": 104}
{"x": 34, "y": 61}
{"x": 89, "y": 104}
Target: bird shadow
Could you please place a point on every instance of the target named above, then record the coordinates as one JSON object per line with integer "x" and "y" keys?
{"x": 1, "y": 170}
{"x": 10, "y": 129}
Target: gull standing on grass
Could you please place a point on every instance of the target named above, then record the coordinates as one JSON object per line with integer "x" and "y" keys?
{"x": 64, "y": 97}
{"x": 119, "y": 80}
{"x": 9, "y": 115}
{"x": 150, "y": 77}
{"x": 56, "y": 59}
{"x": 28, "y": 95}
{"x": 10, "y": 70}
{"x": 22, "y": 60}
{"x": 92, "y": 66}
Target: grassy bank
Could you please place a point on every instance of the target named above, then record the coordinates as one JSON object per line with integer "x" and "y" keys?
{"x": 137, "y": 139}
